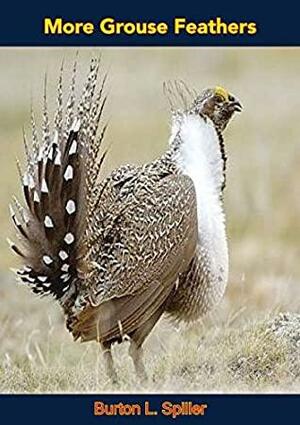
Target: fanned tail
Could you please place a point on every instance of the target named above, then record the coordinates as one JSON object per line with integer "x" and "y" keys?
{"x": 54, "y": 226}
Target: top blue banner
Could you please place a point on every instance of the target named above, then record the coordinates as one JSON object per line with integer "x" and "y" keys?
{"x": 124, "y": 24}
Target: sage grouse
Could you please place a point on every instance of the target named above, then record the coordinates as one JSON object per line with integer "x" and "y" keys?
{"x": 119, "y": 252}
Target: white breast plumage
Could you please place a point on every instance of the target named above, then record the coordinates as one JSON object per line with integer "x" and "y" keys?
{"x": 200, "y": 158}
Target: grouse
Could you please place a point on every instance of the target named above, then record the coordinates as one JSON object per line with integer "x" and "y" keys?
{"x": 118, "y": 252}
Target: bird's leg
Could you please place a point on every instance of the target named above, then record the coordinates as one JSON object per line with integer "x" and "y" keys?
{"x": 136, "y": 353}
{"x": 108, "y": 363}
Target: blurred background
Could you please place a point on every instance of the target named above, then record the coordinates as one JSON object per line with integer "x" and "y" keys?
{"x": 262, "y": 199}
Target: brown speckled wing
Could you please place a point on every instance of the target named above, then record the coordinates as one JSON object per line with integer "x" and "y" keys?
{"x": 157, "y": 238}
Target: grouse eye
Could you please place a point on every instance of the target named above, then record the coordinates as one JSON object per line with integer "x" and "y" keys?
{"x": 230, "y": 98}
{"x": 219, "y": 98}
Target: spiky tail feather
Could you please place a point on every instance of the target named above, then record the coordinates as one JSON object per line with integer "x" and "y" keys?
{"x": 54, "y": 228}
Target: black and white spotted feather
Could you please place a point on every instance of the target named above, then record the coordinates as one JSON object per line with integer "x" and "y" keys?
{"x": 59, "y": 179}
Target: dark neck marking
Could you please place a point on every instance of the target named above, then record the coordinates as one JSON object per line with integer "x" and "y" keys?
{"x": 223, "y": 155}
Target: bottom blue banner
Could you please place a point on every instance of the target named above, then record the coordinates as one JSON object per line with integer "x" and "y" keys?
{"x": 138, "y": 409}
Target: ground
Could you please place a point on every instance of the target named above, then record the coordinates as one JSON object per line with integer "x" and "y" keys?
{"x": 253, "y": 355}
{"x": 236, "y": 348}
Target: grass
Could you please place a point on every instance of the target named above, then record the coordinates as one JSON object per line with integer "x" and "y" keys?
{"x": 232, "y": 349}
{"x": 239, "y": 354}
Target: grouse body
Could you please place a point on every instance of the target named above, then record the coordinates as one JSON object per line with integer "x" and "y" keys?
{"x": 119, "y": 252}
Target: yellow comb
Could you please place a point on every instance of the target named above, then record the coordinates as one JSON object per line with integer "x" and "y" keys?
{"x": 220, "y": 91}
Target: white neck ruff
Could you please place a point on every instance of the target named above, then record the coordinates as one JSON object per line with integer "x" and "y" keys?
{"x": 200, "y": 158}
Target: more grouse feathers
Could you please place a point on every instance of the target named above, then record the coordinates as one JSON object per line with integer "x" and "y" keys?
{"x": 118, "y": 252}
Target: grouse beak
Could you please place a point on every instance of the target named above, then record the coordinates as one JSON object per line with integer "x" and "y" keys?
{"x": 236, "y": 105}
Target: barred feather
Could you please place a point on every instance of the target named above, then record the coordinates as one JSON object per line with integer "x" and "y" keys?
{"x": 45, "y": 124}
{"x": 58, "y": 183}
{"x": 71, "y": 99}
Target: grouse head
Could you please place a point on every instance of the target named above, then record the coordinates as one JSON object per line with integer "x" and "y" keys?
{"x": 217, "y": 104}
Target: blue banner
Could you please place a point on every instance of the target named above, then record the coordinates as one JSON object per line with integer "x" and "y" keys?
{"x": 138, "y": 409}
{"x": 188, "y": 24}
